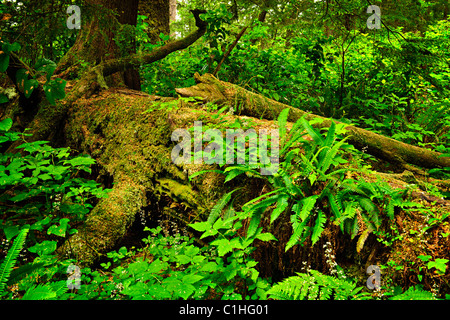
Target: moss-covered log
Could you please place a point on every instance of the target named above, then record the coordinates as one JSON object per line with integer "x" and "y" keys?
{"x": 258, "y": 106}
{"x": 134, "y": 148}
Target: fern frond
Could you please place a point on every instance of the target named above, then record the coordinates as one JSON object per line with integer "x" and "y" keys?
{"x": 218, "y": 207}
{"x": 298, "y": 224}
{"x": 39, "y": 292}
{"x": 23, "y": 271}
{"x": 11, "y": 258}
{"x": 282, "y": 120}
{"x": 335, "y": 206}
{"x": 313, "y": 286}
{"x": 319, "y": 226}
{"x": 414, "y": 293}
{"x": 390, "y": 209}
{"x": 317, "y": 137}
{"x": 325, "y": 164}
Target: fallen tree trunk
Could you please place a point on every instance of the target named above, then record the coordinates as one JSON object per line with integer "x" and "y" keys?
{"x": 258, "y": 106}
{"x": 133, "y": 148}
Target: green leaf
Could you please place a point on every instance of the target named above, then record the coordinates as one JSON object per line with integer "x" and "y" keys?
{"x": 282, "y": 120}
{"x": 61, "y": 229}
{"x": 282, "y": 203}
{"x": 200, "y": 226}
{"x": 24, "y": 84}
{"x": 218, "y": 207}
{"x": 3, "y": 98}
{"x": 156, "y": 266}
{"x": 317, "y": 137}
{"x": 137, "y": 267}
{"x": 192, "y": 278}
{"x": 267, "y": 236}
{"x": 14, "y": 47}
{"x": 183, "y": 259}
{"x": 11, "y": 232}
{"x": 46, "y": 66}
{"x": 223, "y": 246}
{"x": 4, "y": 56}
{"x": 4, "y": 62}
{"x": 46, "y": 247}
{"x": 307, "y": 206}
{"x": 6, "y": 124}
{"x": 209, "y": 267}
{"x": 54, "y": 90}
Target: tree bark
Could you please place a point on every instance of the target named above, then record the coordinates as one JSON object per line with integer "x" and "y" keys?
{"x": 96, "y": 41}
{"x": 158, "y": 17}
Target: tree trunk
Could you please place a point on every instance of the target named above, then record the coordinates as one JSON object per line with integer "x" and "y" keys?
{"x": 158, "y": 17}
{"x": 173, "y": 10}
{"x": 96, "y": 41}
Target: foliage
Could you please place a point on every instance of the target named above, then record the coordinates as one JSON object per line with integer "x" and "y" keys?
{"x": 53, "y": 88}
{"x": 42, "y": 195}
{"x": 414, "y": 293}
{"x": 317, "y": 56}
{"x": 314, "y": 286}
{"x": 172, "y": 267}
{"x": 10, "y": 260}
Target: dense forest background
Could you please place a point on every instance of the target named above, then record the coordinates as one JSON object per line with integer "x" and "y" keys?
{"x": 93, "y": 205}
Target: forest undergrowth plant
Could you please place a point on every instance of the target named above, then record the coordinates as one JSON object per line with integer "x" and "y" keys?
{"x": 42, "y": 191}
{"x": 315, "y": 286}
{"x": 310, "y": 184}
{"x": 174, "y": 267}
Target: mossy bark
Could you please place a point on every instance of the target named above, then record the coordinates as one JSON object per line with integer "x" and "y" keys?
{"x": 134, "y": 148}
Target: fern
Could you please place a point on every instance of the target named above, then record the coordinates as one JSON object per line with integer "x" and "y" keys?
{"x": 415, "y": 293}
{"x": 301, "y": 216}
{"x": 218, "y": 207}
{"x": 11, "y": 258}
{"x": 313, "y": 286}
{"x": 318, "y": 227}
{"x": 45, "y": 291}
{"x": 23, "y": 271}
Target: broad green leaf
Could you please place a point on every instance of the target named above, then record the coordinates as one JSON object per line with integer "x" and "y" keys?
{"x": 46, "y": 247}
{"x": 223, "y": 246}
{"x": 59, "y": 230}
{"x": 267, "y": 236}
{"x": 4, "y": 61}
{"x": 11, "y": 232}
{"x": 192, "y": 278}
{"x": 46, "y": 66}
{"x": 54, "y": 90}
{"x": 3, "y": 98}
{"x": 183, "y": 259}
{"x": 6, "y": 124}
{"x": 156, "y": 266}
